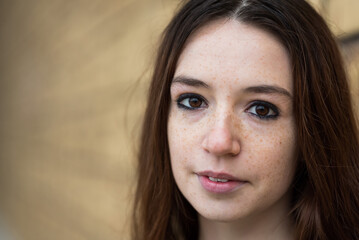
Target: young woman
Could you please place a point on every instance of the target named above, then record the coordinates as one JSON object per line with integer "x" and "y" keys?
{"x": 249, "y": 131}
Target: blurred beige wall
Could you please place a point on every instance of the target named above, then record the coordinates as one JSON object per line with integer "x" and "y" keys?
{"x": 71, "y": 103}
{"x": 69, "y": 73}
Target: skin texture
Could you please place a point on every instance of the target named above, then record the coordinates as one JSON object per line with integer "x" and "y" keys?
{"x": 224, "y": 133}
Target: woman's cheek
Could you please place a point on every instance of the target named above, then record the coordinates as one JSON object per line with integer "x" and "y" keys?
{"x": 269, "y": 152}
{"x": 179, "y": 136}
{"x": 186, "y": 125}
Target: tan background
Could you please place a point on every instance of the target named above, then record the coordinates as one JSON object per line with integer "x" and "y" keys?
{"x": 73, "y": 76}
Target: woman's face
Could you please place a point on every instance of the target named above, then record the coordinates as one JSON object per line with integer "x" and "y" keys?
{"x": 231, "y": 130}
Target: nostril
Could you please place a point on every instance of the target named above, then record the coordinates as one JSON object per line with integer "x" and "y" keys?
{"x": 220, "y": 142}
{"x": 205, "y": 144}
{"x": 235, "y": 148}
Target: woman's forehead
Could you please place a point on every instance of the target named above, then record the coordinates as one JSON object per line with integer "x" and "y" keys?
{"x": 231, "y": 51}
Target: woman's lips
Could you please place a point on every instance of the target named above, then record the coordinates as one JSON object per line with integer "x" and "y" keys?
{"x": 219, "y": 182}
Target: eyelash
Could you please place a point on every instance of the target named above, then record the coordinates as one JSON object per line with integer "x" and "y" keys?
{"x": 272, "y": 109}
{"x": 188, "y": 96}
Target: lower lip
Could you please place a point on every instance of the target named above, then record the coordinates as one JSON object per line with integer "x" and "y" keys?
{"x": 219, "y": 187}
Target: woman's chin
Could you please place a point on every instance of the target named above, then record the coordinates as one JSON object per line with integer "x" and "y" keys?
{"x": 220, "y": 216}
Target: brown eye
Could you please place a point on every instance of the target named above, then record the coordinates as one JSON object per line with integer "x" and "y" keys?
{"x": 190, "y": 101}
{"x": 262, "y": 110}
{"x": 195, "y": 102}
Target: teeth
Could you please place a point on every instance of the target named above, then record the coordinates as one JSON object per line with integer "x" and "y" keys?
{"x": 217, "y": 179}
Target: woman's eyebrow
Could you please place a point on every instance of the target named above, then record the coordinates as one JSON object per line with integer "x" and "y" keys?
{"x": 268, "y": 89}
{"x": 189, "y": 81}
{"x": 253, "y": 89}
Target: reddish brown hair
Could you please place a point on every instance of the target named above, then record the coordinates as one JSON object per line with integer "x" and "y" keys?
{"x": 326, "y": 187}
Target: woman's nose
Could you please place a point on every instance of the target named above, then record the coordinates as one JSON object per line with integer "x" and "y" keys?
{"x": 221, "y": 140}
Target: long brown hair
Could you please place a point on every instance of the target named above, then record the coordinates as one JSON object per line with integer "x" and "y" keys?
{"x": 325, "y": 198}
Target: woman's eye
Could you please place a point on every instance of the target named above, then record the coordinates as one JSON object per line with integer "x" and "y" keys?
{"x": 263, "y": 110}
{"x": 191, "y": 101}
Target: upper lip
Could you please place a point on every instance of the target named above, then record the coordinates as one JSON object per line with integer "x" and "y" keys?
{"x": 221, "y": 175}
